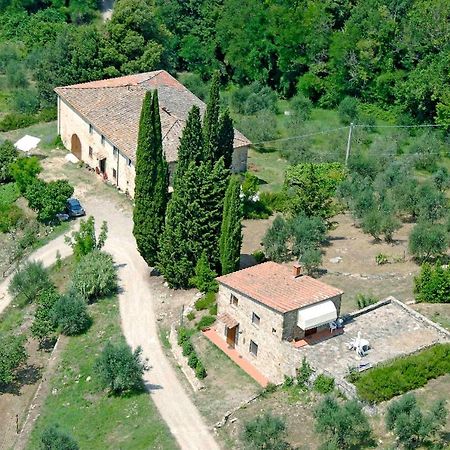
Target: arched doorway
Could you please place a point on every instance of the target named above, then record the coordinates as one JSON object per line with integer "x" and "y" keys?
{"x": 76, "y": 146}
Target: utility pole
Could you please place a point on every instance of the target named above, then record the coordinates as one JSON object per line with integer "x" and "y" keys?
{"x": 349, "y": 143}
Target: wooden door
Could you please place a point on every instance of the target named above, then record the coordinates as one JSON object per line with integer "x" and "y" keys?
{"x": 231, "y": 336}
{"x": 75, "y": 146}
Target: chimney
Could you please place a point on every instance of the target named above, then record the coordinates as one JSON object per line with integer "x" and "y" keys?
{"x": 297, "y": 270}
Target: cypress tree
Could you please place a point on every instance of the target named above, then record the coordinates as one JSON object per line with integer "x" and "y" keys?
{"x": 211, "y": 121}
{"x": 226, "y": 139}
{"x": 212, "y": 194}
{"x": 151, "y": 182}
{"x": 191, "y": 142}
{"x": 231, "y": 230}
{"x": 181, "y": 239}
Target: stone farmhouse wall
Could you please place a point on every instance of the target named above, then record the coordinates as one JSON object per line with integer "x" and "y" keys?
{"x": 70, "y": 122}
{"x": 275, "y": 357}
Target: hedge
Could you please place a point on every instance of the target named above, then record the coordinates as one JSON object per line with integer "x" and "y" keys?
{"x": 403, "y": 374}
{"x": 184, "y": 340}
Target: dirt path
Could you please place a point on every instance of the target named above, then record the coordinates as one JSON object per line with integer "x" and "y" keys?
{"x": 138, "y": 323}
{"x": 46, "y": 254}
{"x": 137, "y": 309}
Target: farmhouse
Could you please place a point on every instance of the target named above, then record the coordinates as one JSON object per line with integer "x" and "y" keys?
{"x": 99, "y": 122}
{"x": 264, "y": 309}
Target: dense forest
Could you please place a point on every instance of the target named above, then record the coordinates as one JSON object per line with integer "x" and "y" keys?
{"x": 393, "y": 54}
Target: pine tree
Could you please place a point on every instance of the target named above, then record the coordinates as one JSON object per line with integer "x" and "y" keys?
{"x": 212, "y": 194}
{"x": 191, "y": 142}
{"x": 181, "y": 239}
{"x": 226, "y": 139}
{"x": 211, "y": 121}
{"x": 151, "y": 182}
{"x": 231, "y": 230}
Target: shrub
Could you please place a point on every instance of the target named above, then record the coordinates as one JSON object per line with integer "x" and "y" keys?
{"x": 343, "y": 425}
{"x": 8, "y": 155}
{"x": 403, "y": 374}
{"x": 432, "y": 285}
{"x": 427, "y": 240}
{"x": 48, "y": 199}
{"x": 276, "y": 239}
{"x": 25, "y": 100}
{"x": 190, "y": 315}
{"x": 120, "y": 369}
{"x": 381, "y": 259}
{"x": 323, "y": 384}
{"x": 259, "y": 128}
{"x": 43, "y": 326}
{"x": 255, "y": 209}
{"x": 10, "y": 217}
{"x": 24, "y": 172}
{"x": 187, "y": 348}
{"x": 12, "y": 355}
{"x": 288, "y": 381}
{"x": 206, "y": 301}
{"x": 265, "y": 432}
{"x": 204, "y": 278}
{"x": 273, "y": 201}
{"x": 29, "y": 282}
{"x": 412, "y": 427}
{"x": 364, "y": 300}
{"x": 193, "y": 360}
{"x": 95, "y": 276}
{"x": 205, "y": 322}
{"x": 302, "y": 107}
{"x": 184, "y": 334}
{"x": 200, "y": 371}
{"x": 348, "y": 110}
{"x": 259, "y": 256}
{"x": 213, "y": 310}
{"x": 53, "y": 438}
{"x": 70, "y": 314}
{"x": 85, "y": 240}
{"x": 13, "y": 121}
{"x": 304, "y": 373}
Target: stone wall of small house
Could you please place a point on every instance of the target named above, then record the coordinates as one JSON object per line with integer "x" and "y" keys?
{"x": 239, "y": 160}
{"x": 271, "y": 357}
{"x": 292, "y": 331}
{"x": 70, "y": 123}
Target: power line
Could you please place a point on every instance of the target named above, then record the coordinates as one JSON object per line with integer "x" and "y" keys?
{"x": 332, "y": 130}
{"x": 398, "y": 126}
{"x": 300, "y": 136}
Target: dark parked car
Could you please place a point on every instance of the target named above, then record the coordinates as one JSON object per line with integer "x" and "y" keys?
{"x": 74, "y": 208}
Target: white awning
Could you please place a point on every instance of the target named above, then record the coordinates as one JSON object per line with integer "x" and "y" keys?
{"x": 316, "y": 315}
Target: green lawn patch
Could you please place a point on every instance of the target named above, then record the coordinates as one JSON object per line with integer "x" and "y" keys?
{"x": 95, "y": 419}
{"x": 403, "y": 374}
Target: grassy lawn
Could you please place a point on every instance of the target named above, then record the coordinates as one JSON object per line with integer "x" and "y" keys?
{"x": 46, "y": 131}
{"x": 214, "y": 401}
{"x": 95, "y": 419}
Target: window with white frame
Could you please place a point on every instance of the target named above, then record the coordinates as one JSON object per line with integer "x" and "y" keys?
{"x": 91, "y": 129}
{"x": 115, "y": 151}
{"x": 233, "y": 300}
{"x": 255, "y": 319}
{"x": 253, "y": 348}
{"x": 102, "y": 139}
{"x": 129, "y": 162}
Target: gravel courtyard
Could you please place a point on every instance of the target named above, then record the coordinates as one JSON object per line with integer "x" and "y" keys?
{"x": 391, "y": 329}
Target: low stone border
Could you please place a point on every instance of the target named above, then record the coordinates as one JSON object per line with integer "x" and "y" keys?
{"x": 182, "y": 361}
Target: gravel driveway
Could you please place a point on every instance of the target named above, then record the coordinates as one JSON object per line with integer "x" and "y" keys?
{"x": 138, "y": 322}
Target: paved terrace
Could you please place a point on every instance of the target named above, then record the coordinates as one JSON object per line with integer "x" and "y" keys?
{"x": 391, "y": 329}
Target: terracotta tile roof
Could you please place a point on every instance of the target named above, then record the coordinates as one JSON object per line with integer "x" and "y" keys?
{"x": 113, "y": 107}
{"x": 227, "y": 320}
{"x": 274, "y": 285}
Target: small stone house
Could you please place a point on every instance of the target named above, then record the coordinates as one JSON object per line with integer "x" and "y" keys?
{"x": 264, "y": 309}
{"x": 98, "y": 122}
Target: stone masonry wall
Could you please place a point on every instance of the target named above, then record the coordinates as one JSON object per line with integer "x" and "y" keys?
{"x": 270, "y": 358}
{"x": 70, "y": 123}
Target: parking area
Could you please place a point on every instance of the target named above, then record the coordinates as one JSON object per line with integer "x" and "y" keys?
{"x": 392, "y": 330}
